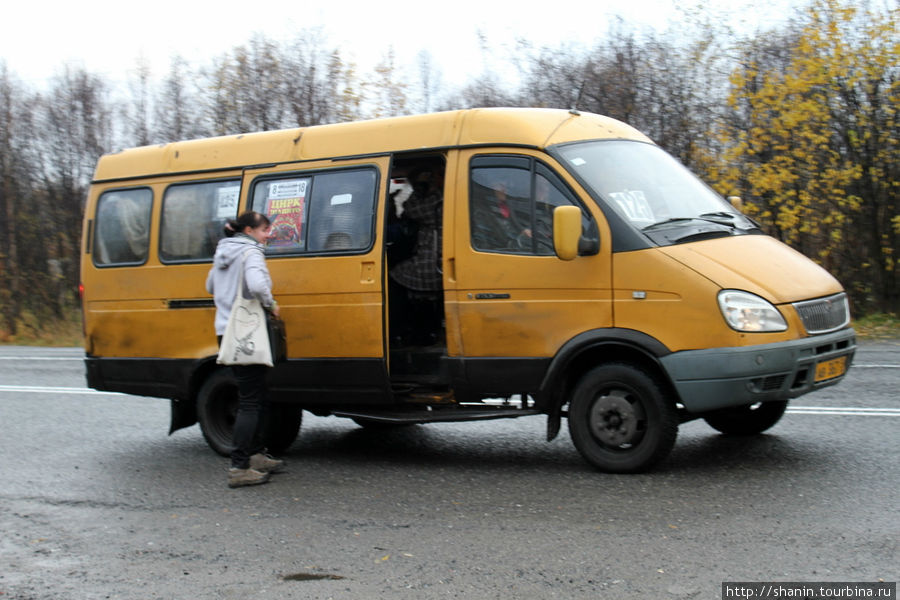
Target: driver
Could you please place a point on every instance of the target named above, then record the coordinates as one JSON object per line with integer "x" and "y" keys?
{"x": 500, "y": 223}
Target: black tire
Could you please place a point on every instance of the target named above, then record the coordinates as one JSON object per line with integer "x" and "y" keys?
{"x": 284, "y": 427}
{"x": 747, "y": 420}
{"x": 217, "y": 404}
{"x": 621, "y": 420}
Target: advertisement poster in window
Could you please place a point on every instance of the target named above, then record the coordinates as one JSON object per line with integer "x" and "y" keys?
{"x": 286, "y": 208}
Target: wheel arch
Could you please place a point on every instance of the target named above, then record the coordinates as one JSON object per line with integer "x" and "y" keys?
{"x": 184, "y": 408}
{"x": 593, "y": 348}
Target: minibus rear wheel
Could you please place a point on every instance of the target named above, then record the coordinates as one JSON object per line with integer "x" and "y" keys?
{"x": 217, "y": 404}
{"x": 284, "y": 427}
{"x": 747, "y": 420}
{"x": 621, "y": 420}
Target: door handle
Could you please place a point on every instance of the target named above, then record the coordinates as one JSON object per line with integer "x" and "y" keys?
{"x": 491, "y": 296}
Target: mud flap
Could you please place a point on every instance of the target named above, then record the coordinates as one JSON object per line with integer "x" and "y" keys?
{"x": 553, "y": 422}
{"x": 184, "y": 414}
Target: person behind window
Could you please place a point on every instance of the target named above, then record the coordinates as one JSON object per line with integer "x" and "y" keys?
{"x": 420, "y": 275}
{"x": 499, "y": 221}
{"x": 243, "y": 246}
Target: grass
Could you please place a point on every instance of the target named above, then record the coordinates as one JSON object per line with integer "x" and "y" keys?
{"x": 878, "y": 327}
{"x": 59, "y": 333}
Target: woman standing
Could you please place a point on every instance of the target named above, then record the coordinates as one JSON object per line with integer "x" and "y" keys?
{"x": 243, "y": 246}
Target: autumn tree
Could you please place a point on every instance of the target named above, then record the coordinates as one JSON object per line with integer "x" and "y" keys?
{"x": 429, "y": 80}
{"x": 246, "y": 89}
{"x": 815, "y": 143}
{"x": 15, "y": 179}
{"x": 388, "y": 90}
{"x": 138, "y": 112}
{"x": 76, "y": 129}
{"x": 312, "y": 77}
{"x": 348, "y": 99}
{"x": 176, "y": 115}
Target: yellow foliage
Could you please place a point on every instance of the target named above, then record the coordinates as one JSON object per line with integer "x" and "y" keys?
{"x": 814, "y": 143}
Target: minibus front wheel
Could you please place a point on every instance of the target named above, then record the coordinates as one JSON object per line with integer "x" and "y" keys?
{"x": 621, "y": 420}
{"x": 747, "y": 420}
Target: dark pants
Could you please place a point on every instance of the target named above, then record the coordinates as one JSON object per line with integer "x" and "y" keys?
{"x": 252, "y": 415}
{"x": 415, "y": 317}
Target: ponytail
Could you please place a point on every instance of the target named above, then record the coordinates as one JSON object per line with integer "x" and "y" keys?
{"x": 249, "y": 219}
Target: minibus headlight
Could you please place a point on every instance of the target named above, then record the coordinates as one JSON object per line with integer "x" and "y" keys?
{"x": 748, "y": 312}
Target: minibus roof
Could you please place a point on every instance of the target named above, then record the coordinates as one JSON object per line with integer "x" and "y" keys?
{"x": 528, "y": 127}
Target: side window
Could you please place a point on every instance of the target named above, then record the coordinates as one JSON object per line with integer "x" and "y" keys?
{"x": 319, "y": 212}
{"x": 511, "y": 202}
{"x": 123, "y": 227}
{"x": 193, "y": 217}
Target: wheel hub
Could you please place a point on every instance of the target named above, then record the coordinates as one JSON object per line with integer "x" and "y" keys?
{"x": 614, "y": 420}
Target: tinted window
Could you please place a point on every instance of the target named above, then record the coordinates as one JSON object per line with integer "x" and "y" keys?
{"x": 511, "y": 205}
{"x": 319, "y": 212}
{"x": 193, "y": 218}
{"x": 123, "y": 227}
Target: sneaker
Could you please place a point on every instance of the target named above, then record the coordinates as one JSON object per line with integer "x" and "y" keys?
{"x": 242, "y": 477}
{"x": 265, "y": 463}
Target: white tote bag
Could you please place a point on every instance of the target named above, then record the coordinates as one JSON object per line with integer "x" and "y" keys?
{"x": 246, "y": 340}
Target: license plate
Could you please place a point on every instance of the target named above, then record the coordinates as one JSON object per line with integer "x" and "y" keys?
{"x": 831, "y": 368}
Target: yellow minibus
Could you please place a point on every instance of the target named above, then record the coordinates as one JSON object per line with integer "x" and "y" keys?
{"x": 574, "y": 270}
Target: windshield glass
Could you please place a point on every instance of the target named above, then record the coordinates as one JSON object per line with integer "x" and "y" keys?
{"x": 653, "y": 192}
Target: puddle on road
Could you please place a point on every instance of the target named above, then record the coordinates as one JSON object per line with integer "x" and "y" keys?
{"x": 310, "y": 576}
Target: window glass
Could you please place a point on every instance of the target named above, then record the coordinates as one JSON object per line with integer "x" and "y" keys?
{"x": 321, "y": 212}
{"x": 501, "y": 209}
{"x": 511, "y": 206}
{"x": 193, "y": 218}
{"x": 123, "y": 227}
{"x": 643, "y": 183}
{"x": 547, "y": 196}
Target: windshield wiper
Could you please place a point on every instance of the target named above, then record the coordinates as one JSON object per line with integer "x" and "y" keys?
{"x": 728, "y": 219}
{"x": 720, "y": 214}
{"x": 731, "y": 219}
{"x": 672, "y": 220}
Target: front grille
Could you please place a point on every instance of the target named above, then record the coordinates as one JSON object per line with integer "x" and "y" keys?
{"x": 824, "y": 314}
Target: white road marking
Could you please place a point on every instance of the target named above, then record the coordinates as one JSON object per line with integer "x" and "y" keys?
{"x": 39, "y": 389}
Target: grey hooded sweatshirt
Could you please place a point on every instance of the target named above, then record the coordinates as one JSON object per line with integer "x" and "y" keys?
{"x": 223, "y": 276}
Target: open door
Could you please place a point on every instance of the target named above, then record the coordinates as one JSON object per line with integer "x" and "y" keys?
{"x": 415, "y": 226}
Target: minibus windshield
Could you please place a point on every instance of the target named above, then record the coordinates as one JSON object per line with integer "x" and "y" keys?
{"x": 653, "y": 192}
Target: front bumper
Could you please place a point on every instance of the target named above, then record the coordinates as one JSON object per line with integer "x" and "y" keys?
{"x": 726, "y": 377}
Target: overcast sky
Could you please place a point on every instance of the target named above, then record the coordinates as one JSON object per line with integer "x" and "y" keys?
{"x": 106, "y": 37}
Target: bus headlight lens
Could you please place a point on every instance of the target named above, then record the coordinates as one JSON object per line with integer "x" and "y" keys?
{"x": 748, "y": 312}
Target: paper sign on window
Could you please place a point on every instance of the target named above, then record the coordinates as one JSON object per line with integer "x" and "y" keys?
{"x": 634, "y": 205}
{"x": 227, "y": 201}
{"x": 286, "y": 206}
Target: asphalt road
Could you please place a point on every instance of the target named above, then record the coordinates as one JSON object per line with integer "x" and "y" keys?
{"x": 97, "y": 502}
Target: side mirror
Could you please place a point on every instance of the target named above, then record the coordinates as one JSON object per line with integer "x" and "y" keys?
{"x": 566, "y": 231}
{"x": 736, "y": 202}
